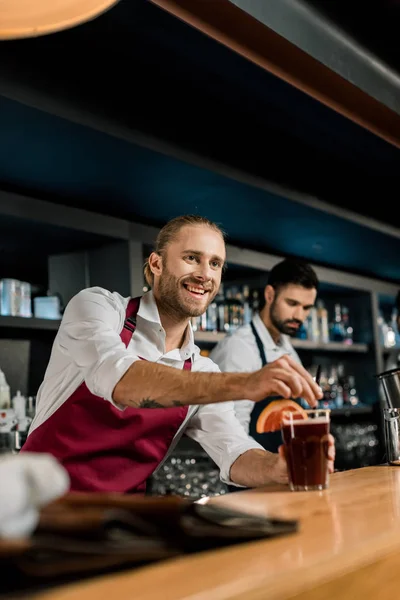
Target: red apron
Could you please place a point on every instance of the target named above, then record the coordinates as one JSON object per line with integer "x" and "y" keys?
{"x": 102, "y": 448}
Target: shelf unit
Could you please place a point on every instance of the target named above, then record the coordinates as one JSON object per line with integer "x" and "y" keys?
{"x": 83, "y": 248}
{"x": 30, "y": 323}
{"x": 68, "y": 249}
{"x": 213, "y": 337}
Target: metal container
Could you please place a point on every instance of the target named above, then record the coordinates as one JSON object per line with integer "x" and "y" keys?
{"x": 10, "y": 442}
{"x": 392, "y": 435}
{"x": 10, "y": 297}
{"x": 390, "y": 381}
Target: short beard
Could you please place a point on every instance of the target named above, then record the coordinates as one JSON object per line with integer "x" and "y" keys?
{"x": 281, "y": 326}
{"x": 168, "y": 289}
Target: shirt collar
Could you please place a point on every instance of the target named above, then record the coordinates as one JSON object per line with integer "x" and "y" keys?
{"x": 266, "y": 338}
{"x": 149, "y": 312}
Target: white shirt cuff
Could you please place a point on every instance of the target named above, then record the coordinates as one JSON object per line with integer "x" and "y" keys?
{"x": 233, "y": 455}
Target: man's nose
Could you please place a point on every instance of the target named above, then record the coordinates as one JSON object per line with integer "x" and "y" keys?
{"x": 299, "y": 313}
{"x": 203, "y": 271}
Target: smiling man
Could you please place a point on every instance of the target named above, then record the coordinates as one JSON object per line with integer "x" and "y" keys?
{"x": 125, "y": 379}
{"x": 290, "y": 294}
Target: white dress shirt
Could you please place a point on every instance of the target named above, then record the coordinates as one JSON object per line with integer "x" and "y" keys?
{"x": 88, "y": 348}
{"x": 238, "y": 352}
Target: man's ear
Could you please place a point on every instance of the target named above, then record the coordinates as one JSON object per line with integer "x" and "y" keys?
{"x": 269, "y": 294}
{"x": 155, "y": 264}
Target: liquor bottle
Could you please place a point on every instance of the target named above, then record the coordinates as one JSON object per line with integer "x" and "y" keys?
{"x": 220, "y": 302}
{"x": 246, "y": 305}
{"x": 212, "y": 316}
{"x": 337, "y": 331}
{"x": 255, "y": 303}
{"x": 382, "y": 330}
{"x": 393, "y": 325}
{"x": 312, "y": 326}
{"x": 348, "y": 330}
{"x": 353, "y": 395}
{"x": 322, "y": 315}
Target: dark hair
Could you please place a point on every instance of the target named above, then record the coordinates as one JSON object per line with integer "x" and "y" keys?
{"x": 169, "y": 232}
{"x": 293, "y": 271}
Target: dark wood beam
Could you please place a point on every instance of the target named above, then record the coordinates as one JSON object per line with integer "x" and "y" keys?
{"x": 231, "y": 26}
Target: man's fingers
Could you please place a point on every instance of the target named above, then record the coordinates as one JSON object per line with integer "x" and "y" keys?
{"x": 298, "y": 386}
{"x": 281, "y": 389}
{"x": 291, "y": 380}
{"x": 316, "y": 390}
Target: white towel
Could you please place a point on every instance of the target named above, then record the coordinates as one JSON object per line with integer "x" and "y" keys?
{"x": 27, "y": 482}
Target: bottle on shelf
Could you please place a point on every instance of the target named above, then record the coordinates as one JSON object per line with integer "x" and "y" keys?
{"x": 395, "y": 329}
{"x": 255, "y": 303}
{"x": 313, "y": 326}
{"x": 353, "y": 395}
{"x": 339, "y": 389}
{"x": 247, "y": 316}
{"x": 347, "y": 328}
{"x": 337, "y": 333}
{"x": 5, "y": 398}
{"x": 383, "y": 331}
{"x": 18, "y": 403}
{"x": 322, "y": 317}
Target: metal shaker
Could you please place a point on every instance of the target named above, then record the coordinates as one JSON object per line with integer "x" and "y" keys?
{"x": 390, "y": 381}
{"x": 392, "y": 435}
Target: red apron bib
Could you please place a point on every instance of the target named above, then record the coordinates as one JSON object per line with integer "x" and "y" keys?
{"x": 102, "y": 448}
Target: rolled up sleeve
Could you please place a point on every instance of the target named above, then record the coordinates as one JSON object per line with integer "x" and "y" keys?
{"x": 216, "y": 428}
{"x": 90, "y": 335}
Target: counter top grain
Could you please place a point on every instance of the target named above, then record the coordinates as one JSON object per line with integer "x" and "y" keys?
{"x": 347, "y": 546}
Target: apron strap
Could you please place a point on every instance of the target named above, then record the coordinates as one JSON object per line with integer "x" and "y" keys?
{"x": 130, "y": 325}
{"x": 260, "y": 345}
{"x": 270, "y": 441}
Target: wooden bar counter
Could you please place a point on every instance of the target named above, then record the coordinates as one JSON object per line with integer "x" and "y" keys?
{"x": 347, "y": 547}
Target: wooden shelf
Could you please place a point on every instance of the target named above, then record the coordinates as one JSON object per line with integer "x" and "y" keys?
{"x": 212, "y": 337}
{"x": 348, "y": 412}
{"x": 330, "y": 346}
{"x": 30, "y": 323}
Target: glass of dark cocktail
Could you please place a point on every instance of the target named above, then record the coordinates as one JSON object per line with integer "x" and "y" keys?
{"x": 306, "y": 442}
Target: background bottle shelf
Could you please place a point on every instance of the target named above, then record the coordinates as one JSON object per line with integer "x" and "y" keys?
{"x": 211, "y": 337}
{"x": 29, "y": 323}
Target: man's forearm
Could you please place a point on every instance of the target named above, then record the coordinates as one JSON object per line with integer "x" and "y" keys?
{"x": 256, "y": 468}
{"x": 149, "y": 385}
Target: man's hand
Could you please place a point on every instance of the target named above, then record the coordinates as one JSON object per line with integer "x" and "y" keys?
{"x": 280, "y": 468}
{"x": 285, "y": 378}
{"x": 256, "y": 468}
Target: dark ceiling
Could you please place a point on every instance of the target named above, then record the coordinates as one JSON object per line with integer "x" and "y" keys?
{"x": 373, "y": 23}
{"x": 141, "y": 70}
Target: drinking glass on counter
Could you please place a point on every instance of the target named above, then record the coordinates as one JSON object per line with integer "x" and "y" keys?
{"x": 306, "y": 443}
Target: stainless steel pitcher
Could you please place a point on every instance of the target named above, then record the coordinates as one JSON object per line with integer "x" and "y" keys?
{"x": 392, "y": 435}
{"x": 390, "y": 381}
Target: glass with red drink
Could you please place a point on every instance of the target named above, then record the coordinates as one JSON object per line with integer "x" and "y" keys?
{"x": 306, "y": 442}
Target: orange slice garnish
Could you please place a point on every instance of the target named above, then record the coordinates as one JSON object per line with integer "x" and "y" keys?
{"x": 270, "y": 419}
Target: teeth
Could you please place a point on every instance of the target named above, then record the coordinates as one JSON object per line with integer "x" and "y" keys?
{"x": 195, "y": 290}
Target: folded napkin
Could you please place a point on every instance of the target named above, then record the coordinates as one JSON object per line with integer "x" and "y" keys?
{"x": 28, "y": 481}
